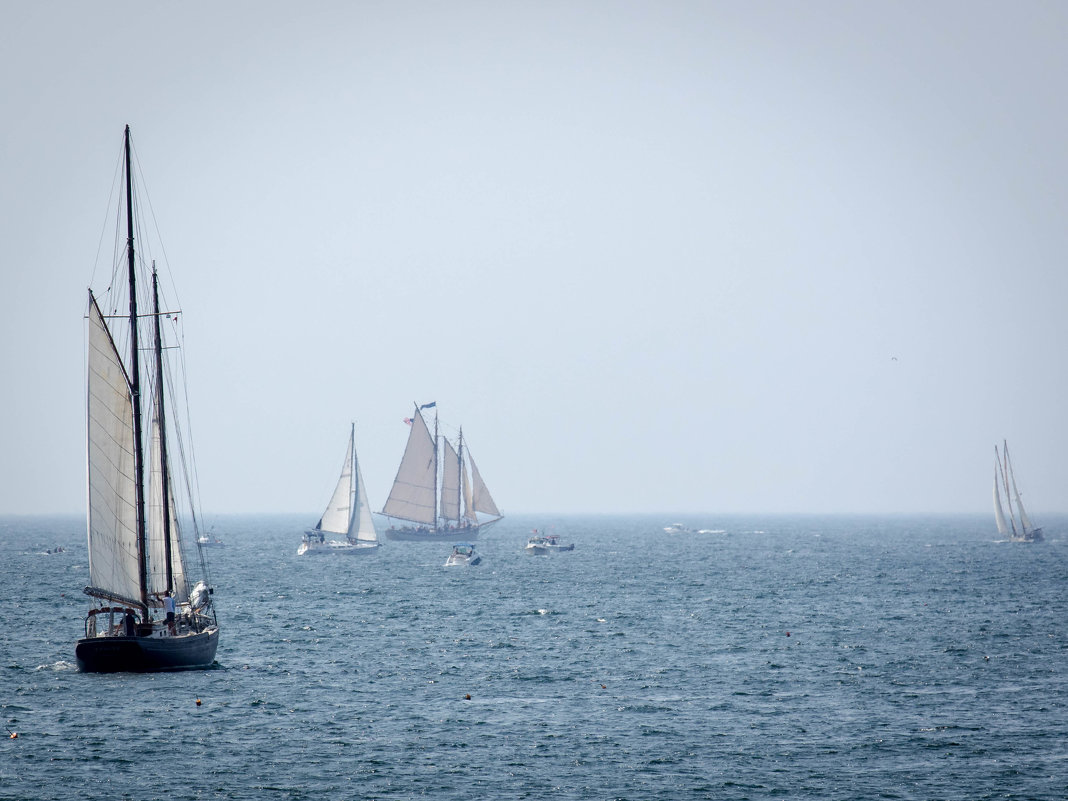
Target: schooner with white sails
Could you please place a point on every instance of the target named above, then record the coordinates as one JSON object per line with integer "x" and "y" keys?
{"x": 434, "y": 493}
{"x": 1007, "y": 525}
{"x": 143, "y": 616}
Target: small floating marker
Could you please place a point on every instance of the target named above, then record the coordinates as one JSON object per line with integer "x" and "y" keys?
{"x": 14, "y": 735}
{"x": 787, "y": 634}
{"x": 198, "y": 702}
{"x": 987, "y": 658}
{"x": 604, "y": 686}
{"x": 467, "y": 696}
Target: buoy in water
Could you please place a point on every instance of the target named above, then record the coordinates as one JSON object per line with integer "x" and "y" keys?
{"x": 604, "y": 686}
{"x": 198, "y": 702}
{"x": 467, "y": 696}
{"x": 14, "y": 735}
{"x": 787, "y": 634}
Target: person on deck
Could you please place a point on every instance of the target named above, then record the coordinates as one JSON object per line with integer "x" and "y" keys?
{"x": 168, "y": 607}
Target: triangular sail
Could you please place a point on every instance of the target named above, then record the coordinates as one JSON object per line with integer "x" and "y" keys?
{"x": 365, "y": 531}
{"x": 112, "y": 528}
{"x": 469, "y": 504}
{"x": 450, "y": 483}
{"x": 999, "y": 512}
{"x": 481, "y": 500}
{"x": 412, "y": 495}
{"x": 157, "y": 548}
{"x": 338, "y": 515}
{"x": 1025, "y": 522}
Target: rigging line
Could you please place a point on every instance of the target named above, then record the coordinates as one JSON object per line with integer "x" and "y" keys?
{"x": 155, "y": 225}
{"x": 104, "y": 227}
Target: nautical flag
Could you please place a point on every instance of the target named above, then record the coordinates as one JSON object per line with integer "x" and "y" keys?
{"x": 430, "y": 405}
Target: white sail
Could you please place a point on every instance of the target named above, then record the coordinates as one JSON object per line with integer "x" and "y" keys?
{"x": 156, "y": 533}
{"x": 365, "y": 531}
{"x": 482, "y": 501}
{"x": 469, "y": 504}
{"x": 450, "y": 483}
{"x": 338, "y": 515}
{"x": 412, "y": 495}
{"x": 1025, "y": 522}
{"x": 113, "y": 558}
{"x": 999, "y": 512}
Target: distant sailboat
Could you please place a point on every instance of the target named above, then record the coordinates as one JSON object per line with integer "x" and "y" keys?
{"x": 348, "y": 514}
{"x": 1004, "y": 477}
{"x": 433, "y": 490}
{"x": 145, "y": 617}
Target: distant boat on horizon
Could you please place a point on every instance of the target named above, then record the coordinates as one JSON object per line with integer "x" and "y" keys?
{"x": 1004, "y": 476}
{"x": 348, "y": 514}
{"x": 433, "y": 490}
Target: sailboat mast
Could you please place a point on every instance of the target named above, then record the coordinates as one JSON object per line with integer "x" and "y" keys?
{"x": 1005, "y": 483}
{"x": 135, "y": 386}
{"x": 165, "y": 487}
{"x": 354, "y": 491}
{"x": 437, "y": 501}
{"x": 460, "y": 481}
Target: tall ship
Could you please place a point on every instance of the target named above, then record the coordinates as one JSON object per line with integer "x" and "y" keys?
{"x": 146, "y": 613}
{"x": 1016, "y": 525}
{"x": 347, "y": 517}
{"x": 435, "y": 495}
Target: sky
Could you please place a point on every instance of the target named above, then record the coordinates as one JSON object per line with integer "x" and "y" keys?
{"x": 679, "y": 257}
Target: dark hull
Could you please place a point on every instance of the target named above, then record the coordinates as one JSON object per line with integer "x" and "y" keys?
{"x": 468, "y": 534}
{"x": 432, "y": 535}
{"x": 147, "y": 654}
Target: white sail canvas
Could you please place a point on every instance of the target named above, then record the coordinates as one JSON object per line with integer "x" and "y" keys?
{"x": 113, "y": 560}
{"x": 338, "y": 515}
{"x": 365, "y": 531}
{"x": 412, "y": 495}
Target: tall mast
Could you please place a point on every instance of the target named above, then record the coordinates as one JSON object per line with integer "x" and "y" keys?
{"x": 1005, "y": 482}
{"x": 135, "y": 387}
{"x": 353, "y": 484}
{"x": 437, "y": 502}
{"x": 164, "y": 472}
{"x": 460, "y": 481}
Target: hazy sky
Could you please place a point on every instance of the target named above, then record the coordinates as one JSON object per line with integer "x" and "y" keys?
{"x": 654, "y": 256}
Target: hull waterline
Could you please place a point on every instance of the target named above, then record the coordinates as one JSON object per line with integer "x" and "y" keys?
{"x": 147, "y": 654}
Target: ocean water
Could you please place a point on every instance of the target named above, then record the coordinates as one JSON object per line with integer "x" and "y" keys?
{"x": 787, "y": 658}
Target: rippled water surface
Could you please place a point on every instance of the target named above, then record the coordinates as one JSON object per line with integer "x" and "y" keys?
{"x": 829, "y": 658}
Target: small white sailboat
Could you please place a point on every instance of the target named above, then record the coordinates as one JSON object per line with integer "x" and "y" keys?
{"x": 463, "y": 555}
{"x": 144, "y": 616}
{"x": 433, "y": 490}
{"x": 1003, "y": 476}
{"x": 348, "y": 514}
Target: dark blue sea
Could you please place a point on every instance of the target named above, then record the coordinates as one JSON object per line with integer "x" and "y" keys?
{"x": 787, "y": 658}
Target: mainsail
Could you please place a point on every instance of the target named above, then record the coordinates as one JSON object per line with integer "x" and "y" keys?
{"x": 338, "y": 515}
{"x": 114, "y": 570}
{"x": 413, "y": 494}
{"x": 999, "y": 512}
